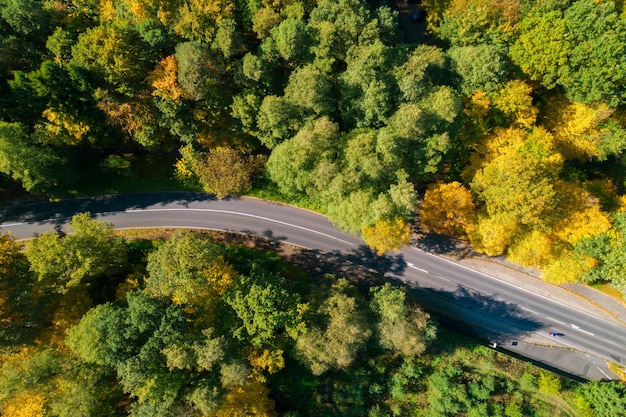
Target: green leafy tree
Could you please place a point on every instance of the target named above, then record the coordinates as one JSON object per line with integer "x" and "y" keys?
{"x": 156, "y": 351}
{"x": 481, "y": 67}
{"x": 368, "y": 88}
{"x": 297, "y": 165}
{"x": 573, "y": 48}
{"x": 277, "y": 121}
{"x": 293, "y": 41}
{"x": 311, "y": 89}
{"x": 188, "y": 269}
{"x": 198, "y": 69}
{"x": 266, "y": 311}
{"x": 91, "y": 250}
{"x": 603, "y": 398}
{"x": 342, "y": 332}
{"x": 422, "y": 69}
{"x": 541, "y": 50}
{"x": 598, "y": 38}
{"x": 400, "y": 327}
{"x": 38, "y": 168}
{"x": 116, "y": 55}
{"x": 609, "y": 249}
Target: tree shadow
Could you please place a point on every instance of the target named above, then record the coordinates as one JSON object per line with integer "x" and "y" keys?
{"x": 473, "y": 313}
{"x": 60, "y": 212}
{"x": 441, "y": 244}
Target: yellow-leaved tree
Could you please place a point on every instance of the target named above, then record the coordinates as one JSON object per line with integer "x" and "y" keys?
{"x": 249, "y": 400}
{"x": 584, "y": 131}
{"x": 448, "y": 208}
{"x": 27, "y": 403}
{"x": 386, "y": 235}
{"x": 534, "y": 249}
{"x": 514, "y": 100}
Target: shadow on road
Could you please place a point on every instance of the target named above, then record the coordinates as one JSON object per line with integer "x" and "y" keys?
{"x": 485, "y": 311}
{"x": 60, "y": 211}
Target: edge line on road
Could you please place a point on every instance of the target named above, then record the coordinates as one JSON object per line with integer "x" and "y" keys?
{"x": 238, "y": 213}
{"x": 513, "y": 285}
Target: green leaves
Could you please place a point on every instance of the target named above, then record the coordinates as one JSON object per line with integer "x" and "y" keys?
{"x": 265, "y": 310}
{"x": 90, "y": 251}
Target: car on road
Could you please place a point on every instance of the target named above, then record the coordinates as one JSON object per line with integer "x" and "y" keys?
{"x": 556, "y": 334}
{"x": 418, "y": 17}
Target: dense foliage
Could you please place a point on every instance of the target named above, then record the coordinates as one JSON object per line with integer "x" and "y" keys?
{"x": 522, "y": 103}
{"x": 196, "y": 328}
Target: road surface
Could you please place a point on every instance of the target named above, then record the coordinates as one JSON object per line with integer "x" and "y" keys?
{"x": 493, "y": 307}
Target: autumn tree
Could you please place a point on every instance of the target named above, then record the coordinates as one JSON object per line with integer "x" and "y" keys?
{"x": 448, "y": 208}
{"x": 474, "y": 22}
{"x": 608, "y": 250}
{"x": 518, "y": 183}
{"x": 584, "y": 131}
{"x": 387, "y": 235}
{"x": 116, "y": 55}
{"x": 221, "y": 170}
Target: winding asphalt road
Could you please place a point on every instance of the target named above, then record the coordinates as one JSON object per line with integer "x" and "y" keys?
{"x": 492, "y": 307}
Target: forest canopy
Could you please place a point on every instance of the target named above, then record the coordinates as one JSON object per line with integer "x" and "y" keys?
{"x": 184, "y": 325}
{"x": 518, "y": 106}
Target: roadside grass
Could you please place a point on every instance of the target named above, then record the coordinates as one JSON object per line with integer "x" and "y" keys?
{"x": 609, "y": 290}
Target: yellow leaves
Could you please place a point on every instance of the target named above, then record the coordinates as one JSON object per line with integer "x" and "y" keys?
{"x": 588, "y": 222}
{"x": 447, "y": 208}
{"x": 250, "y": 400}
{"x": 581, "y": 214}
{"x": 107, "y": 10}
{"x": 386, "y": 235}
{"x": 622, "y": 204}
{"x": 198, "y": 19}
{"x": 267, "y": 360}
{"x": 164, "y": 79}
{"x": 9, "y": 249}
{"x": 534, "y": 250}
{"x": 492, "y": 235}
{"x": 515, "y": 101}
{"x": 575, "y": 128}
{"x": 567, "y": 267}
{"x": 27, "y": 403}
{"x": 221, "y": 171}
{"x": 66, "y": 126}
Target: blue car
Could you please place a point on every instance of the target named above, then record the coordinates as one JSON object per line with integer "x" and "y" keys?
{"x": 556, "y": 334}
{"x": 418, "y": 17}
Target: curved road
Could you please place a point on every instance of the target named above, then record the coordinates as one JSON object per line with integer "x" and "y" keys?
{"x": 519, "y": 320}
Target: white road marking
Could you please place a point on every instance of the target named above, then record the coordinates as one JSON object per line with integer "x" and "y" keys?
{"x": 10, "y": 224}
{"x": 295, "y": 226}
{"x": 581, "y": 330}
{"x": 411, "y": 265}
{"x": 513, "y": 285}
